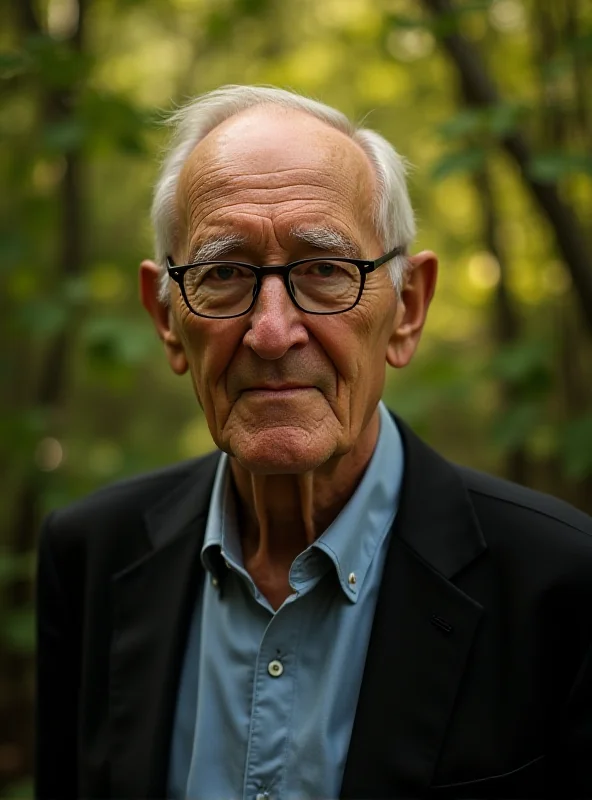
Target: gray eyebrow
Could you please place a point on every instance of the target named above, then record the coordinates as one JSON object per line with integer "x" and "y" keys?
{"x": 216, "y": 247}
{"x": 321, "y": 238}
{"x": 327, "y": 239}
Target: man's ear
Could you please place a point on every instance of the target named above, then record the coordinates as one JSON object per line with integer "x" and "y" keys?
{"x": 412, "y": 308}
{"x": 162, "y": 316}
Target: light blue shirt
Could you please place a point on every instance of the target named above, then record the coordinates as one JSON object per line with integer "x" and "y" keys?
{"x": 267, "y": 699}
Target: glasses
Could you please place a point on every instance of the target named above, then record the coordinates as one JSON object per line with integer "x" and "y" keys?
{"x": 227, "y": 289}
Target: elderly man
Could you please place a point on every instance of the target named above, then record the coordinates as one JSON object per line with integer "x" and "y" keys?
{"x": 326, "y": 608}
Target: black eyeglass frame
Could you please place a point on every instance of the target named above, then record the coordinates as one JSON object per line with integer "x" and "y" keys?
{"x": 365, "y": 267}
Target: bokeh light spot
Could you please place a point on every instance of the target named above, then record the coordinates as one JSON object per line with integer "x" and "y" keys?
{"x": 49, "y": 454}
{"x": 507, "y": 16}
{"x": 484, "y": 270}
{"x": 410, "y": 45}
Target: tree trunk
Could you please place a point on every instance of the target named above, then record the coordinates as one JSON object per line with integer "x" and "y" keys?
{"x": 479, "y": 91}
{"x": 16, "y": 717}
{"x": 506, "y": 322}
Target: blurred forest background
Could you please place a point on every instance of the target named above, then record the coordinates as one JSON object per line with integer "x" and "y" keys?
{"x": 491, "y": 103}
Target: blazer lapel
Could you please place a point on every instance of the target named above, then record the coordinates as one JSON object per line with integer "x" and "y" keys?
{"x": 422, "y": 633}
{"x": 153, "y": 600}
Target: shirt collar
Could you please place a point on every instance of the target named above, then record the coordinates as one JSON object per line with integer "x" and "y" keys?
{"x": 352, "y": 539}
{"x": 221, "y": 524}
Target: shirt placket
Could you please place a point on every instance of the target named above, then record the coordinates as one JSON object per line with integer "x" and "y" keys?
{"x": 272, "y": 706}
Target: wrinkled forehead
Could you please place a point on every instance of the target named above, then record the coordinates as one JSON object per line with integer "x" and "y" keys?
{"x": 276, "y": 160}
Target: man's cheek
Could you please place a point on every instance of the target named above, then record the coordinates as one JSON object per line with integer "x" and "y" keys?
{"x": 196, "y": 389}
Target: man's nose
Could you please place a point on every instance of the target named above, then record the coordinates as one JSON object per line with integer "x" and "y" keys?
{"x": 276, "y": 323}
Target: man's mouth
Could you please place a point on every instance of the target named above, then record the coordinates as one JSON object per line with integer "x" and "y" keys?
{"x": 279, "y": 389}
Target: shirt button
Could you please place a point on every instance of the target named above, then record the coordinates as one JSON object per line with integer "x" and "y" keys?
{"x": 215, "y": 583}
{"x": 275, "y": 668}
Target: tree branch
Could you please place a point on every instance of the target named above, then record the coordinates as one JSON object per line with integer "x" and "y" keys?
{"x": 479, "y": 90}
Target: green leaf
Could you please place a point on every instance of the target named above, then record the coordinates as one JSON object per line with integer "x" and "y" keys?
{"x": 446, "y": 23}
{"x": 75, "y": 291}
{"x": 497, "y": 121}
{"x": 18, "y": 630}
{"x": 13, "y": 63}
{"x": 514, "y": 427}
{"x": 503, "y": 118}
{"x": 403, "y": 22}
{"x": 15, "y": 567}
{"x": 21, "y": 788}
{"x": 56, "y": 63}
{"x": 12, "y": 250}
{"x": 251, "y": 8}
{"x": 581, "y": 44}
{"x": 556, "y": 67}
{"x": 42, "y": 317}
{"x": 64, "y": 136}
{"x": 113, "y": 341}
{"x": 549, "y": 167}
{"x": 461, "y": 161}
{"x": 219, "y": 25}
{"x": 523, "y": 363}
{"x": 112, "y": 119}
{"x": 461, "y": 124}
{"x": 526, "y": 367}
{"x": 577, "y": 447}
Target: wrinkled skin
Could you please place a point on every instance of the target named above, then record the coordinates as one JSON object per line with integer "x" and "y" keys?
{"x": 292, "y": 397}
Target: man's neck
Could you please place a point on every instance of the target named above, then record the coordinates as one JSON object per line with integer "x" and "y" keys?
{"x": 281, "y": 515}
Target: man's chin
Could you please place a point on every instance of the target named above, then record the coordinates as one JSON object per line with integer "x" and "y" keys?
{"x": 285, "y": 451}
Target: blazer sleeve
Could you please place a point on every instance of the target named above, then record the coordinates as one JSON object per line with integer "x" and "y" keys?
{"x": 573, "y": 769}
{"x": 57, "y": 677}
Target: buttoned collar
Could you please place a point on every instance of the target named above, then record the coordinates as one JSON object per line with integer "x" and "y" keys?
{"x": 349, "y": 543}
{"x": 353, "y": 538}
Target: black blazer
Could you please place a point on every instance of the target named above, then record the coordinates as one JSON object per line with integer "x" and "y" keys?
{"x": 478, "y": 678}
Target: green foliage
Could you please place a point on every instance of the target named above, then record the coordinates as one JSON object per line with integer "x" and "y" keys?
{"x": 115, "y": 341}
{"x": 18, "y": 630}
{"x": 527, "y": 365}
{"x": 549, "y": 167}
{"x": 577, "y": 447}
{"x": 42, "y": 317}
{"x": 467, "y": 160}
{"x": 54, "y": 64}
{"x": 16, "y": 567}
{"x": 21, "y": 788}
{"x": 478, "y": 130}
{"x": 496, "y": 121}
{"x": 78, "y": 125}
{"x": 516, "y": 427}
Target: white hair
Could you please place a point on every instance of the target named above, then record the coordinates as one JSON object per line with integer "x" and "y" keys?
{"x": 392, "y": 214}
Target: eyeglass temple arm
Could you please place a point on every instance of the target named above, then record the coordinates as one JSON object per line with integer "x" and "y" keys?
{"x": 397, "y": 251}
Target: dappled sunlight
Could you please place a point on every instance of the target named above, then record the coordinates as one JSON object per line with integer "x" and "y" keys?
{"x": 503, "y": 372}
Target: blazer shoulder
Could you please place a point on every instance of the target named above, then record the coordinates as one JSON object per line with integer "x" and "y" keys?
{"x": 512, "y": 497}
{"x": 124, "y": 501}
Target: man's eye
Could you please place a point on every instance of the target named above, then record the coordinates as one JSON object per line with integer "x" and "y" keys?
{"x": 223, "y": 273}
{"x": 323, "y": 269}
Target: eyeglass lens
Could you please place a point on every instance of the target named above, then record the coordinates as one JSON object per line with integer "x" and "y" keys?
{"x": 225, "y": 290}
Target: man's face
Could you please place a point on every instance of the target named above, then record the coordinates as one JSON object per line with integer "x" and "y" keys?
{"x": 283, "y": 391}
